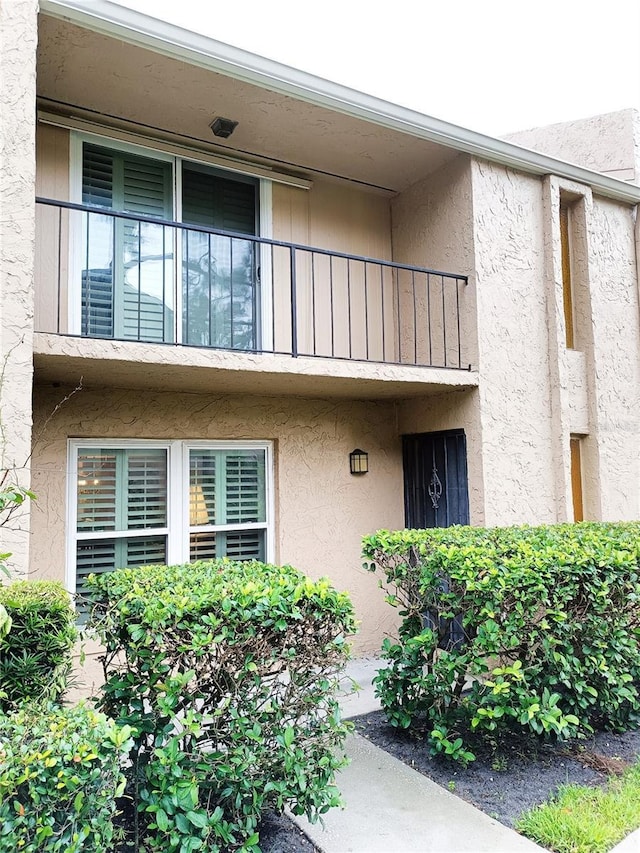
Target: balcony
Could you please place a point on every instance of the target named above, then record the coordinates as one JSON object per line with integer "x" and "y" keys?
{"x": 107, "y": 282}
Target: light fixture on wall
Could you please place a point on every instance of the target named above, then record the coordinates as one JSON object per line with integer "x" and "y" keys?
{"x": 223, "y": 127}
{"x": 359, "y": 461}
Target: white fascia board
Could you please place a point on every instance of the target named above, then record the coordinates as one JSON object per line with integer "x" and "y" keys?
{"x": 193, "y": 48}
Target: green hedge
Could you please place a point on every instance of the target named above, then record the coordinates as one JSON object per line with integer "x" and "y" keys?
{"x": 228, "y": 672}
{"x": 510, "y": 629}
{"x": 36, "y": 654}
{"x": 59, "y": 779}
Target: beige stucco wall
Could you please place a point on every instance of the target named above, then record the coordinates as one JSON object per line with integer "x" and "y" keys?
{"x": 17, "y": 172}
{"x": 322, "y": 511}
{"x": 433, "y": 226}
{"x": 608, "y": 143}
{"x": 514, "y": 392}
{"x": 534, "y": 393}
{"x": 595, "y": 386}
{"x": 616, "y": 342}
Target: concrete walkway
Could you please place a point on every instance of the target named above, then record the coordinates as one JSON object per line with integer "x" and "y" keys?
{"x": 391, "y": 808}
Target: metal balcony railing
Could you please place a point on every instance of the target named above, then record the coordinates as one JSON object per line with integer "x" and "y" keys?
{"x": 121, "y": 276}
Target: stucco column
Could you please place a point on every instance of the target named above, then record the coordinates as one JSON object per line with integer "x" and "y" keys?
{"x": 18, "y": 38}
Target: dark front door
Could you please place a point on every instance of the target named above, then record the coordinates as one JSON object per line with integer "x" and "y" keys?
{"x": 435, "y": 479}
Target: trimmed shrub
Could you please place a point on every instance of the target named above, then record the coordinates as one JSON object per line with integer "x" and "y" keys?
{"x": 534, "y": 629}
{"x": 59, "y": 777}
{"x": 228, "y": 673}
{"x": 36, "y": 654}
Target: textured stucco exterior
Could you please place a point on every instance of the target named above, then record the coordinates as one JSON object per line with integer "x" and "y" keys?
{"x": 513, "y": 357}
{"x": 322, "y": 511}
{"x": 433, "y": 225}
{"x": 616, "y": 358}
{"x": 18, "y": 35}
{"x": 608, "y": 143}
{"x": 535, "y": 393}
{"x": 361, "y": 189}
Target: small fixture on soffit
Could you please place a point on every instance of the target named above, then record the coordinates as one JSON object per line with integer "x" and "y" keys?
{"x": 223, "y": 127}
{"x": 358, "y": 461}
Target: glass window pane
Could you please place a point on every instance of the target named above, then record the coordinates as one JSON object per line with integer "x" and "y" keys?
{"x": 245, "y": 487}
{"x": 121, "y": 489}
{"x": 227, "y": 487}
{"x": 245, "y": 545}
{"x": 202, "y": 546}
{"x": 236, "y": 545}
{"x": 96, "y": 489}
{"x": 147, "y": 489}
{"x": 96, "y": 556}
{"x": 202, "y": 487}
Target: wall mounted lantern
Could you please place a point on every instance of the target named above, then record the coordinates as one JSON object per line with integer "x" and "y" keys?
{"x": 223, "y": 127}
{"x": 358, "y": 461}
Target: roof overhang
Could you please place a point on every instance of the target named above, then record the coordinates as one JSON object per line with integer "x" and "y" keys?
{"x": 161, "y": 37}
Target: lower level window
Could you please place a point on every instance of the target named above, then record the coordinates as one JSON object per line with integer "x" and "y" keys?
{"x": 140, "y": 503}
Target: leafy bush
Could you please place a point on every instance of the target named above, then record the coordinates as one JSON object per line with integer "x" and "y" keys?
{"x": 534, "y": 629}
{"x": 59, "y": 777}
{"x": 11, "y": 499}
{"x": 228, "y": 673}
{"x": 36, "y": 655}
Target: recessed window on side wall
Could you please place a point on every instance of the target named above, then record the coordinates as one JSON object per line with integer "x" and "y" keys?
{"x": 568, "y": 272}
{"x": 140, "y": 503}
{"x": 577, "y": 494}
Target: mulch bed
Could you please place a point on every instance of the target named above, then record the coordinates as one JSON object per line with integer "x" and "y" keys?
{"x": 504, "y": 783}
{"x": 278, "y": 834}
{"x": 518, "y": 775}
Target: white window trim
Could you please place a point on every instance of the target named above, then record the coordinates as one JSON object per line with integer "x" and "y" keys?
{"x": 177, "y": 531}
{"x": 265, "y": 225}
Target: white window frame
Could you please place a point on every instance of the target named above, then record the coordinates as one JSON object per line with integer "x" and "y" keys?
{"x": 265, "y": 226}
{"x": 177, "y": 529}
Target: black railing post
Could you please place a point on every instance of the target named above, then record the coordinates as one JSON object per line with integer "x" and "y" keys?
{"x": 458, "y": 321}
{"x": 294, "y": 304}
{"x": 60, "y": 270}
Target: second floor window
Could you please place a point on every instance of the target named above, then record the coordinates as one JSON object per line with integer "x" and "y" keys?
{"x": 143, "y": 280}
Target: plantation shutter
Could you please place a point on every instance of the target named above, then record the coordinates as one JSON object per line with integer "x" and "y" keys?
{"x": 97, "y": 256}
{"x": 215, "y": 202}
{"x": 120, "y": 491}
{"x": 236, "y": 545}
{"x": 227, "y": 488}
{"x": 106, "y": 555}
{"x": 146, "y": 496}
{"x": 122, "y": 296}
{"x": 97, "y": 490}
{"x": 97, "y": 177}
{"x": 245, "y": 545}
{"x": 244, "y": 488}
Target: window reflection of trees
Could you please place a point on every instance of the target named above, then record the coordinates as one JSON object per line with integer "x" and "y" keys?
{"x": 219, "y": 291}
{"x": 128, "y": 285}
